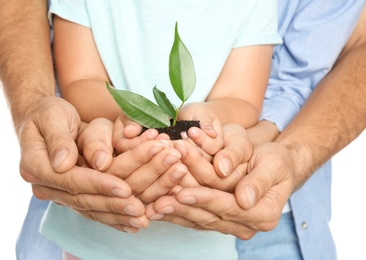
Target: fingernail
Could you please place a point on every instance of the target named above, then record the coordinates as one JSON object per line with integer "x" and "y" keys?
{"x": 179, "y": 173}
{"x": 130, "y": 230}
{"x": 167, "y": 210}
{"x": 249, "y": 192}
{"x": 225, "y": 166}
{"x": 100, "y": 160}
{"x": 121, "y": 193}
{"x": 151, "y": 134}
{"x": 171, "y": 158}
{"x": 60, "y": 157}
{"x": 130, "y": 210}
{"x": 157, "y": 148}
{"x": 156, "y": 217}
{"x": 134, "y": 222}
{"x": 188, "y": 200}
{"x": 193, "y": 132}
{"x": 180, "y": 146}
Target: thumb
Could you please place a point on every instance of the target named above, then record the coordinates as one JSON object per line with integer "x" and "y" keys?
{"x": 95, "y": 143}
{"x": 58, "y": 122}
{"x": 270, "y": 175}
{"x": 261, "y": 177}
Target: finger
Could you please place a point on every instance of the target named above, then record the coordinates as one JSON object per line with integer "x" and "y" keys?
{"x": 128, "y": 162}
{"x": 57, "y": 123}
{"x": 132, "y": 129}
{"x": 204, "y": 172}
{"x": 169, "y": 209}
{"x": 270, "y": 174}
{"x": 263, "y": 217}
{"x": 147, "y": 174}
{"x": 128, "y": 137}
{"x": 81, "y": 180}
{"x": 205, "y": 139}
{"x": 115, "y": 219}
{"x": 115, "y": 212}
{"x": 203, "y": 153}
{"x": 104, "y": 209}
{"x": 237, "y": 150}
{"x": 165, "y": 184}
{"x": 199, "y": 111}
{"x": 173, "y": 217}
{"x": 95, "y": 143}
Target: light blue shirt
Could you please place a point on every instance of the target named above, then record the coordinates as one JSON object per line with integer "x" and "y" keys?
{"x": 314, "y": 33}
{"x": 134, "y": 39}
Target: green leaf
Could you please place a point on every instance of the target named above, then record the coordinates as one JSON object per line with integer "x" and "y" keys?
{"x": 139, "y": 108}
{"x": 181, "y": 69}
{"x": 164, "y": 103}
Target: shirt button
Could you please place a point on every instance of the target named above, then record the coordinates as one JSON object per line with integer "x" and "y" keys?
{"x": 304, "y": 225}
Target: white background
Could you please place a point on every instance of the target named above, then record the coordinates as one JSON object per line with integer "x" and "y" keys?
{"x": 348, "y": 221}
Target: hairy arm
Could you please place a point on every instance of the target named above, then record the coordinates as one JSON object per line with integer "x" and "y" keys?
{"x": 26, "y": 78}
{"x": 337, "y": 105}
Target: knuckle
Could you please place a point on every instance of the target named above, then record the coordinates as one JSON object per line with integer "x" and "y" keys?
{"x": 212, "y": 223}
{"x": 37, "y": 192}
{"x": 79, "y": 203}
{"x": 244, "y": 234}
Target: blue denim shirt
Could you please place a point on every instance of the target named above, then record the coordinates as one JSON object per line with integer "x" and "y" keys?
{"x": 314, "y": 33}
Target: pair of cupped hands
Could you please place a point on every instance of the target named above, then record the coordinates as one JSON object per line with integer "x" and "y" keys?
{"x": 107, "y": 172}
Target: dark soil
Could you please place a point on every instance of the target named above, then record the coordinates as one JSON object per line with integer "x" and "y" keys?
{"x": 174, "y": 132}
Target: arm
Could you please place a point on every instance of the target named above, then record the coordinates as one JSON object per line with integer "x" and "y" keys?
{"x": 338, "y": 105}
{"x": 239, "y": 88}
{"x": 47, "y": 126}
{"x": 26, "y": 72}
{"x": 282, "y": 166}
{"x": 26, "y": 89}
{"x": 238, "y": 91}
{"x": 276, "y": 169}
{"x": 81, "y": 73}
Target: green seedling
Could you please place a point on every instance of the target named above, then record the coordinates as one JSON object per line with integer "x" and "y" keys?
{"x": 163, "y": 114}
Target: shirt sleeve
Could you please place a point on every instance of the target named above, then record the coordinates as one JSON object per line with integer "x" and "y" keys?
{"x": 313, "y": 38}
{"x": 74, "y": 11}
{"x": 261, "y": 26}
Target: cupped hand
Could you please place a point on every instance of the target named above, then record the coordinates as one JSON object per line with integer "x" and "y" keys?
{"x": 230, "y": 162}
{"x": 51, "y": 127}
{"x": 257, "y": 204}
{"x": 49, "y": 132}
{"x": 209, "y": 137}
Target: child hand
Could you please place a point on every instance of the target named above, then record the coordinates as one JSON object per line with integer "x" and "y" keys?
{"x": 209, "y": 138}
{"x": 230, "y": 162}
{"x": 127, "y": 135}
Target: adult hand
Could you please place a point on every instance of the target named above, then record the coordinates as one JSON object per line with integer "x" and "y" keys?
{"x": 51, "y": 127}
{"x": 49, "y": 132}
{"x": 256, "y": 205}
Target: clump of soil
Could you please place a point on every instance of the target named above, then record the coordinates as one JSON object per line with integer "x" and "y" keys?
{"x": 174, "y": 132}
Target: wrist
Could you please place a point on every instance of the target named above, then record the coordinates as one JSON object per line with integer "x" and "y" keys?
{"x": 264, "y": 131}
{"x": 23, "y": 106}
{"x": 301, "y": 160}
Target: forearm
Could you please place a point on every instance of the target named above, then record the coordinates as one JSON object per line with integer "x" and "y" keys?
{"x": 334, "y": 115}
{"x": 234, "y": 111}
{"x": 26, "y": 69}
{"x": 91, "y": 99}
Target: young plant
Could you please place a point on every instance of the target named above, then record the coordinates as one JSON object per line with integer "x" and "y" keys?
{"x": 183, "y": 80}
